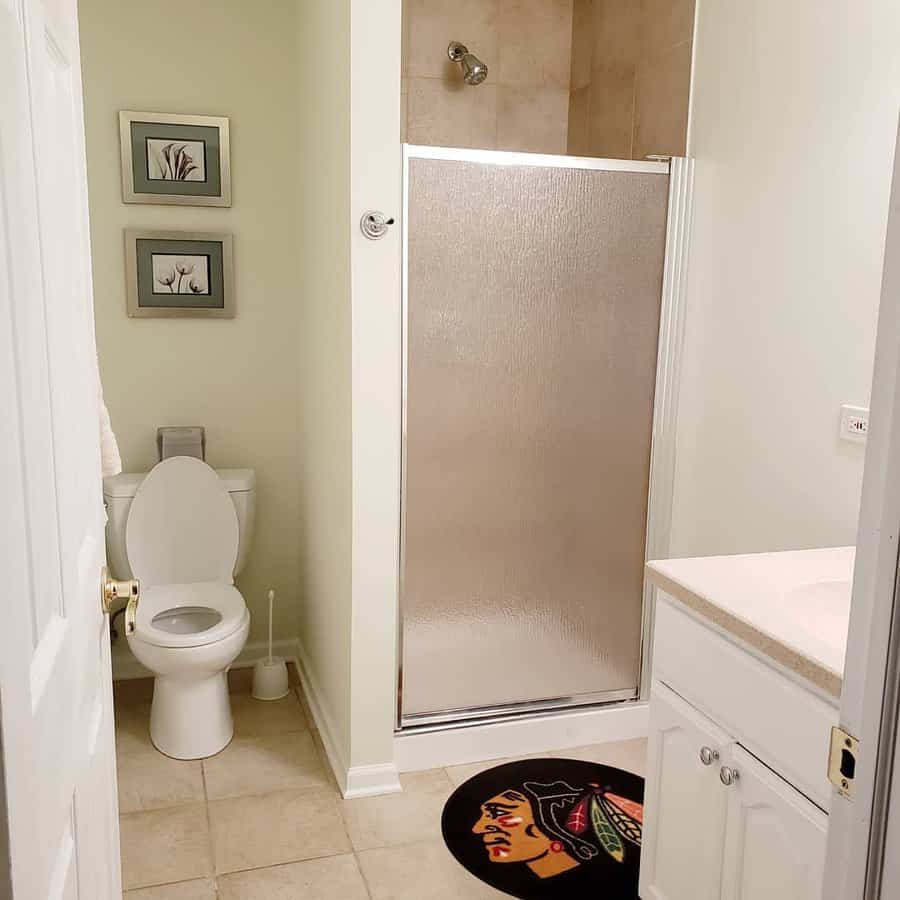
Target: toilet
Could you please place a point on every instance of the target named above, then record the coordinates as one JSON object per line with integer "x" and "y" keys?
{"x": 183, "y": 530}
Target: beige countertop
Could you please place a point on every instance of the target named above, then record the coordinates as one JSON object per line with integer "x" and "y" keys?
{"x": 792, "y": 606}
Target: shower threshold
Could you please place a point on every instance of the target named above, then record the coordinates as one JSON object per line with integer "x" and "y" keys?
{"x": 461, "y": 718}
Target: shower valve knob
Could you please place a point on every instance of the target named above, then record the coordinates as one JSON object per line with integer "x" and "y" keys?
{"x": 374, "y": 225}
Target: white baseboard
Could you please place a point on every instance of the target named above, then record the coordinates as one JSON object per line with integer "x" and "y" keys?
{"x": 355, "y": 781}
{"x": 321, "y": 718}
{"x": 368, "y": 781}
{"x": 125, "y": 666}
{"x": 419, "y": 750}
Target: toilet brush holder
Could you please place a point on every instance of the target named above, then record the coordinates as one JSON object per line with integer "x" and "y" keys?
{"x": 270, "y": 679}
{"x": 270, "y": 675}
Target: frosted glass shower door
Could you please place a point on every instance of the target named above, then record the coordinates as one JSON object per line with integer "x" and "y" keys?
{"x": 532, "y": 316}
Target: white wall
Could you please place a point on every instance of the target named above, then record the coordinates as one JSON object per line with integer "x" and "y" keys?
{"x": 375, "y": 169}
{"x": 240, "y": 378}
{"x": 324, "y": 346}
{"x": 793, "y": 119}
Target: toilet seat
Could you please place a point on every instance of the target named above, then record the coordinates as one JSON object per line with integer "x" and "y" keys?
{"x": 193, "y": 608}
{"x": 182, "y": 527}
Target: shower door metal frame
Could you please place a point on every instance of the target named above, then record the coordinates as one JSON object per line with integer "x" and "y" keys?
{"x": 662, "y": 446}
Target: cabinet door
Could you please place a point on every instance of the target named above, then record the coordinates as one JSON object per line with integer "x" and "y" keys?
{"x": 684, "y": 803}
{"x": 775, "y": 844}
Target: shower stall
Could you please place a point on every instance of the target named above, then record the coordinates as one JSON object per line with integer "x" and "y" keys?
{"x": 539, "y": 323}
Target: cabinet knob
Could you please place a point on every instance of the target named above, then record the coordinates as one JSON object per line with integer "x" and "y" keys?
{"x": 728, "y": 776}
{"x": 708, "y": 756}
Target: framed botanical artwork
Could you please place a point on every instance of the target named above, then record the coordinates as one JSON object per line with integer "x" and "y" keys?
{"x": 179, "y": 273}
{"x": 168, "y": 158}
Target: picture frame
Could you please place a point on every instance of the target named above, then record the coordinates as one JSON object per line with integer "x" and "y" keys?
{"x": 175, "y": 159}
{"x": 179, "y": 274}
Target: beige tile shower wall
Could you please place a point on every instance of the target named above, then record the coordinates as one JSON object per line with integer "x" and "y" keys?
{"x": 630, "y": 77}
{"x": 523, "y": 105}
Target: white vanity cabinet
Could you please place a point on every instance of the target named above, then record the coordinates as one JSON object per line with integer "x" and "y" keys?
{"x": 683, "y": 842}
{"x": 774, "y": 837}
{"x": 731, "y": 742}
{"x": 755, "y": 838}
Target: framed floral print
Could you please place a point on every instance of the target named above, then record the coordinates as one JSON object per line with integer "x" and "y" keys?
{"x": 179, "y": 274}
{"x": 174, "y": 159}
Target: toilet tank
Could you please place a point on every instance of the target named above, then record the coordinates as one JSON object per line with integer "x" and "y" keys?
{"x": 119, "y": 491}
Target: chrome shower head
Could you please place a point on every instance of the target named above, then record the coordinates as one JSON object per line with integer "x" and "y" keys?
{"x": 474, "y": 70}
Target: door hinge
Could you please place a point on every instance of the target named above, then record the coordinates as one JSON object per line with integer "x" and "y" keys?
{"x": 842, "y": 759}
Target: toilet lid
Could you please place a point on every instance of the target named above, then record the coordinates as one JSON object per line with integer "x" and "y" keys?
{"x": 189, "y": 615}
{"x": 182, "y": 526}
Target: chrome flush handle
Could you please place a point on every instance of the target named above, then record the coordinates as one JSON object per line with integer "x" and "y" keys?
{"x": 708, "y": 756}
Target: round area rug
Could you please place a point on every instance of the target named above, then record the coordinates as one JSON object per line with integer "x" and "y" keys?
{"x": 549, "y": 828}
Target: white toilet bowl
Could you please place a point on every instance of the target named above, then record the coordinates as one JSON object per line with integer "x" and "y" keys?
{"x": 188, "y": 635}
{"x": 191, "y": 623}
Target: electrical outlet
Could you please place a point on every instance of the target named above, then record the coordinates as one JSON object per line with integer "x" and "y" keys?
{"x": 854, "y": 423}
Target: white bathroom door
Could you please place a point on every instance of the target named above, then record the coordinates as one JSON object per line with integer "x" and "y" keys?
{"x": 863, "y": 857}
{"x": 58, "y": 774}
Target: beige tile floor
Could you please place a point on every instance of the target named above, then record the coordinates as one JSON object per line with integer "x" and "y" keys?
{"x": 263, "y": 819}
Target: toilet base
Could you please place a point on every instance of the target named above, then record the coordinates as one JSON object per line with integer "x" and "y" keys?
{"x": 191, "y": 717}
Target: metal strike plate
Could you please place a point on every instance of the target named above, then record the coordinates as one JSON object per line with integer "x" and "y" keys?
{"x": 842, "y": 759}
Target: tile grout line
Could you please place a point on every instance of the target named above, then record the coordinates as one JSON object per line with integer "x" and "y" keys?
{"x": 209, "y": 828}
{"x": 362, "y": 875}
{"x": 289, "y": 862}
{"x": 258, "y": 795}
{"x": 162, "y": 884}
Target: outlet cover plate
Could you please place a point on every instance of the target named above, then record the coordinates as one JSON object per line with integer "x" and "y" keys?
{"x": 854, "y": 423}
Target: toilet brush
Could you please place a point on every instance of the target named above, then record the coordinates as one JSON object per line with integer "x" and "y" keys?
{"x": 270, "y": 675}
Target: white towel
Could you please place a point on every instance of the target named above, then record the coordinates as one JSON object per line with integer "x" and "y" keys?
{"x": 110, "y": 461}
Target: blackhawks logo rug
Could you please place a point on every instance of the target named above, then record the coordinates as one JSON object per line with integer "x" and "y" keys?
{"x": 549, "y": 828}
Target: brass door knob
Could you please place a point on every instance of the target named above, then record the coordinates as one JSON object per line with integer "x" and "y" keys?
{"x": 112, "y": 590}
